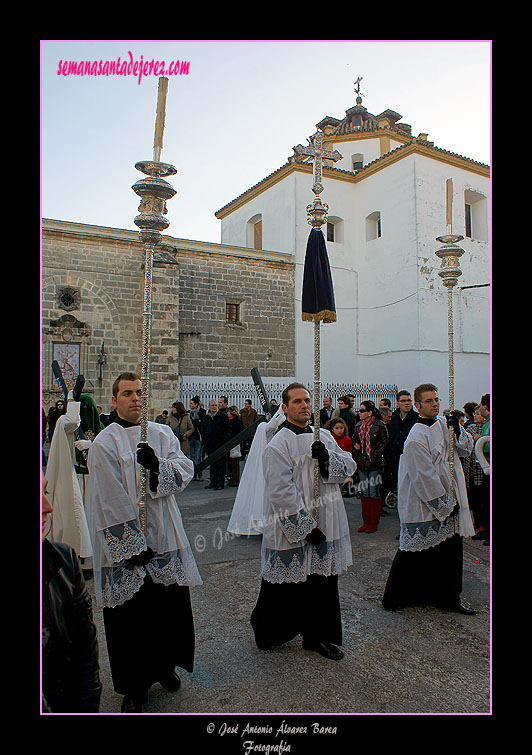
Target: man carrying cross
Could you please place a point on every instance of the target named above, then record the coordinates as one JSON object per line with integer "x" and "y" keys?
{"x": 301, "y": 561}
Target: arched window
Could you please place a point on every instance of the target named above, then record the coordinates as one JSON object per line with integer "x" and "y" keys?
{"x": 335, "y": 229}
{"x": 373, "y": 226}
{"x": 357, "y": 161}
{"x": 254, "y": 232}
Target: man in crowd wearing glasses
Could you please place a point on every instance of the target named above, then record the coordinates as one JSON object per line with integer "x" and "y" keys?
{"x": 433, "y": 512}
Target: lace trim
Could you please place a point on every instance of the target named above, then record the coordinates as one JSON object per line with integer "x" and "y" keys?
{"x": 418, "y": 536}
{"x": 276, "y": 570}
{"x": 297, "y": 526}
{"x": 330, "y": 558}
{"x": 120, "y": 583}
{"x": 337, "y": 469}
{"x": 441, "y": 507}
{"x": 170, "y": 479}
{"x": 116, "y": 592}
{"x": 174, "y": 567}
{"x": 295, "y": 565}
{"x": 123, "y": 541}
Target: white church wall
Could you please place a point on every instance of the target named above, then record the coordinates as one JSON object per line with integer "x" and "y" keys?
{"x": 338, "y": 342}
{"x": 277, "y": 208}
{"x": 369, "y": 150}
{"x": 471, "y": 306}
{"x": 387, "y": 301}
{"x": 391, "y": 305}
{"x": 369, "y": 278}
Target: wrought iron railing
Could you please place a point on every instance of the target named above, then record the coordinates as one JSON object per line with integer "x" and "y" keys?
{"x": 240, "y": 389}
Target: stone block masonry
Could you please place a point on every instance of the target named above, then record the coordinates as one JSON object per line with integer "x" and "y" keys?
{"x": 193, "y": 282}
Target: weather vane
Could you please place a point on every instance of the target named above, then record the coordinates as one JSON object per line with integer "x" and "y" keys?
{"x": 357, "y": 86}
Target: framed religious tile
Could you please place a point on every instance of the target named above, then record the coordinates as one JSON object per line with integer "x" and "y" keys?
{"x": 68, "y": 356}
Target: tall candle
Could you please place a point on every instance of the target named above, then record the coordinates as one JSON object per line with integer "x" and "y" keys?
{"x": 449, "y": 186}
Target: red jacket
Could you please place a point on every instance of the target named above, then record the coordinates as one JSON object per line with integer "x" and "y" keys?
{"x": 344, "y": 441}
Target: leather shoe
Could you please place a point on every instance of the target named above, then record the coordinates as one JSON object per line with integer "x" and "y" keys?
{"x": 171, "y": 681}
{"x": 459, "y": 608}
{"x": 326, "y": 649}
{"x": 131, "y": 705}
{"x": 208, "y": 486}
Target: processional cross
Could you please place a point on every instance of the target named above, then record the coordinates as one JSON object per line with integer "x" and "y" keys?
{"x": 318, "y": 152}
{"x": 318, "y": 295}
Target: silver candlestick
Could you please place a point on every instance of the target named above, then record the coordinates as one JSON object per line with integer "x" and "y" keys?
{"x": 154, "y": 192}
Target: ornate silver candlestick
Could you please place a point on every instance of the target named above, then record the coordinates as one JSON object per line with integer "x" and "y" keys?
{"x": 154, "y": 193}
{"x": 449, "y": 273}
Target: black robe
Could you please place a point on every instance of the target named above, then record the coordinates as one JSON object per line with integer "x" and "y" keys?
{"x": 310, "y": 608}
{"x": 149, "y": 635}
{"x": 428, "y": 577}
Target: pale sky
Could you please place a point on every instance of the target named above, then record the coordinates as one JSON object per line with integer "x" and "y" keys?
{"x": 235, "y": 117}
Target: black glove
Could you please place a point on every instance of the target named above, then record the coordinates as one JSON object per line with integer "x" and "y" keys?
{"x": 146, "y": 456}
{"x": 320, "y": 453}
{"x": 452, "y": 421}
{"x": 141, "y": 559}
{"x": 315, "y": 536}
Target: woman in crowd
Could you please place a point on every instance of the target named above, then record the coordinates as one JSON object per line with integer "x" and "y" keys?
{"x": 181, "y": 423}
{"x": 370, "y": 441}
{"x": 472, "y": 470}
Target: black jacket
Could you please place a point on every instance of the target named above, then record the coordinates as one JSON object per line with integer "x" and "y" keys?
{"x": 351, "y": 419}
{"x": 70, "y": 670}
{"x": 197, "y": 415}
{"x": 378, "y": 439}
{"x": 399, "y": 429}
{"x": 215, "y": 431}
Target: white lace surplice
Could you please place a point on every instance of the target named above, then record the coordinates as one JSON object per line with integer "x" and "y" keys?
{"x": 288, "y": 509}
{"x": 247, "y": 510}
{"x": 425, "y": 498}
{"x": 116, "y": 526}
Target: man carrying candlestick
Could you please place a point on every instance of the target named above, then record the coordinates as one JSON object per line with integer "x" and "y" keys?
{"x": 433, "y": 512}
{"x": 143, "y": 562}
{"x": 432, "y": 496}
{"x": 141, "y": 578}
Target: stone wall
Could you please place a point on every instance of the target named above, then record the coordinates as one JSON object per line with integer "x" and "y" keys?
{"x": 99, "y": 272}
